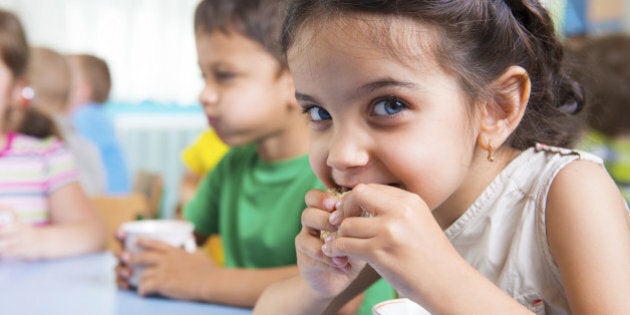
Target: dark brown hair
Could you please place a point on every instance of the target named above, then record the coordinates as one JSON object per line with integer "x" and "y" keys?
{"x": 14, "y": 51}
{"x": 258, "y": 20}
{"x": 95, "y": 72}
{"x": 478, "y": 40}
{"x": 13, "y": 44}
{"x": 603, "y": 64}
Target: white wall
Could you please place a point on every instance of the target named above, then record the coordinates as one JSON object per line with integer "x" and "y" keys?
{"x": 149, "y": 44}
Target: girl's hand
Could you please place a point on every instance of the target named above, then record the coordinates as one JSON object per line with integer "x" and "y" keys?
{"x": 171, "y": 271}
{"x": 17, "y": 239}
{"x": 401, "y": 240}
{"x": 327, "y": 276}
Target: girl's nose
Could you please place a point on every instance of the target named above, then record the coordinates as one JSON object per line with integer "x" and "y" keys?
{"x": 346, "y": 151}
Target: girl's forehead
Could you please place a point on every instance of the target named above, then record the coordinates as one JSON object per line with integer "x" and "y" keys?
{"x": 387, "y": 36}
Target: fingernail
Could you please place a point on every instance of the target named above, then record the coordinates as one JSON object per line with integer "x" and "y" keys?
{"x": 329, "y": 203}
{"x": 325, "y": 248}
{"x": 329, "y": 238}
{"x": 338, "y": 204}
{"x": 334, "y": 218}
{"x": 340, "y": 262}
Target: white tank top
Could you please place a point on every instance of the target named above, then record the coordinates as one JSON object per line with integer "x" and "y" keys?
{"x": 503, "y": 234}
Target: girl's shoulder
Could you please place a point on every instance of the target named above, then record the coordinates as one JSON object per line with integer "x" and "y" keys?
{"x": 27, "y": 145}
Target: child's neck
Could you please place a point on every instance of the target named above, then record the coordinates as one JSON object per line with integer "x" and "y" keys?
{"x": 288, "y": 143}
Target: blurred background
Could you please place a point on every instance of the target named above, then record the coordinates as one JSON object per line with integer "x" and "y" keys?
{"x": 149, "y": 46}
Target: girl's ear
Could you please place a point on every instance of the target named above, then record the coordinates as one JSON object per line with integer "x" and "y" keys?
{"x": 20, "y": 96}
{"x": 501, "y": 115}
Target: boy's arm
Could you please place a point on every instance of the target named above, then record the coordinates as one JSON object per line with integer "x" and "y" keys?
{"x": 175, "y": 273}
{"x": 243, "y": 287}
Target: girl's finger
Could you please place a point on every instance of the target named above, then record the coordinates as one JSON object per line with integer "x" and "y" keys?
{"x": 359, "y": 227}
{"x": 311, "y": 247}
{"x": 354, "y": 247}
{"x": 377, "y": 199}
{"x": 316, "y": 219}
{"x": 320, "y": 199}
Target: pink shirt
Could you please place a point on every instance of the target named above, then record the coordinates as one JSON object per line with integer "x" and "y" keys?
{"x": 30, "y": 170}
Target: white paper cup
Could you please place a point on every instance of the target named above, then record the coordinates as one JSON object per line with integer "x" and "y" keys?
{"x": 398, "y": 307}
{"x": 176, "y": 233}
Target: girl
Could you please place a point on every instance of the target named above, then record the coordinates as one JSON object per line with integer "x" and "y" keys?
{"x": 433, "y": 115}
{"x": 44, "y": 213}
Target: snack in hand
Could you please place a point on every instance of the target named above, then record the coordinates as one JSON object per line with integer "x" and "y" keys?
{"x": 337, "y": 192}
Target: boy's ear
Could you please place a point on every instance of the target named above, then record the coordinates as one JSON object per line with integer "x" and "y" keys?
{"x": 501, "y": 115}
{"x": 288, "y": 88}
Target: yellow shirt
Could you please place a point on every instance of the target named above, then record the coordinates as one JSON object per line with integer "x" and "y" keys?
{"x": 204, "y": 154}
{"x": 201, "y": 157}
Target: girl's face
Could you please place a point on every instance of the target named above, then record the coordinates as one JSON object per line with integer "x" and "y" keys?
{"x": 377, "y": 117}
{"x": 8, "y": 89}
{"x": 243, "y": 95}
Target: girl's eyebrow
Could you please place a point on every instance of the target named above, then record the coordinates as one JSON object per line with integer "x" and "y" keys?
{"x": 304, "y": 97}
{"x": 375, "y": 85}
{"x": 366, "y": 88}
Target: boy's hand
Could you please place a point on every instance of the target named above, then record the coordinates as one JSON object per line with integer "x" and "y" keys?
{"x": 171, "y": 272}
{"x": 123, "y": 270}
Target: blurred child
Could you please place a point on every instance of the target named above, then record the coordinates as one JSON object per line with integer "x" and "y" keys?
{"x": 433, "y": 115}
{"x": 45, "y": 213}
{"x": 605, "y": 67}
{"x": 49, "y": 76}
{"x": 90, "y": 87}
{"x": 255, "y": 196}
{"x": 199, "y": 159}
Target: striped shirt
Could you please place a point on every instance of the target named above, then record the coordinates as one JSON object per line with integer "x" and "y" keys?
{"x": 30, "y": 170}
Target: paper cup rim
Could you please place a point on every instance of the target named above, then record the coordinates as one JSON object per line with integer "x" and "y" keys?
{"x": 156, "y": 226}
{"x": 376, "y": 309}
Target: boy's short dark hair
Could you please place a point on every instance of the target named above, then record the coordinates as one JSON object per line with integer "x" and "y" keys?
{"x": 259, "y": 20}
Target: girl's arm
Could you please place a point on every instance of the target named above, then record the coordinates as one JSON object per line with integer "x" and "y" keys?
{"x": 291, "y": 296}
{"x": 589, "y": 239}
{"x": 75, "y": 226}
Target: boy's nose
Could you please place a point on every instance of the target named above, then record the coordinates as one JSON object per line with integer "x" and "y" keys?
{"x": 346, "y": 151}
{"x": 208, "y": 95}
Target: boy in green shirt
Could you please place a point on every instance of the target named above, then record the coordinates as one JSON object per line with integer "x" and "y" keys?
{"x": 255, "y": 196}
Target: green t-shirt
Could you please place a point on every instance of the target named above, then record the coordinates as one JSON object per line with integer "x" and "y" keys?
{"x": 256, "y": 207}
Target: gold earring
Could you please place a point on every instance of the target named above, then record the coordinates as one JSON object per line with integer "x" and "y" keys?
{"x": 490, "y": 152}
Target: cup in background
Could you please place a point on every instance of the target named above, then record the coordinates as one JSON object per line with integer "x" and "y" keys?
{"x": 399, "y": 307}
{"x": 176, "y": 233}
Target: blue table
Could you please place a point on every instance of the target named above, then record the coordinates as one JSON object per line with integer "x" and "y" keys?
{"x": 84, "y": 285}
